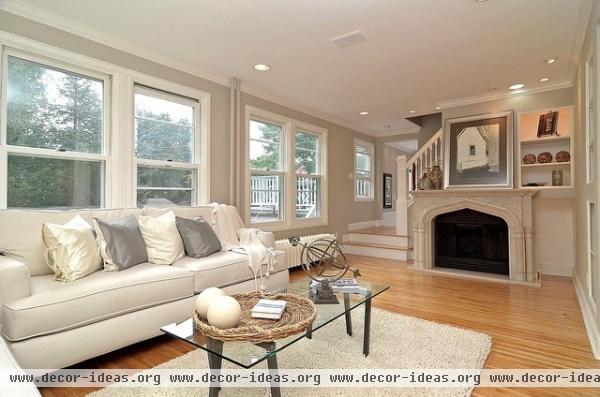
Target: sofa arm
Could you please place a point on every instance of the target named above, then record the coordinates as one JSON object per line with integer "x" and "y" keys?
{"x": 14, "y": 279}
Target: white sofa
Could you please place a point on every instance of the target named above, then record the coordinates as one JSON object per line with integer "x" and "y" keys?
{"x": 52, "y": 324}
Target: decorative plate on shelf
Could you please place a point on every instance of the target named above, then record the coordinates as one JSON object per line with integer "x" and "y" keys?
{"x": 544, "y": 157}
{"x": 529, "y": 158}
{"x": 563, "y": 156}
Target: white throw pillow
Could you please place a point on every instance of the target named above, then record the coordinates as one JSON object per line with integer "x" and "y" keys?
{"x": 162, "y": 239}
{"x": 72, "y": 251}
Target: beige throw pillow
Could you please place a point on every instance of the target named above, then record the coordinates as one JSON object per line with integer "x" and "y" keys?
{"x": 72, "y": 251}
{"x": 162, "y": 239}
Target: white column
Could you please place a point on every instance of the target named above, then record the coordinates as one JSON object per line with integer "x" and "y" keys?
{"x": 402, "y": 197}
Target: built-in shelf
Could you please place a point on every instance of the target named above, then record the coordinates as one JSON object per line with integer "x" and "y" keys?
{"x": 546, "y": 141}
{"x": 530, "y": 143}
{"x": 552, "y": 164}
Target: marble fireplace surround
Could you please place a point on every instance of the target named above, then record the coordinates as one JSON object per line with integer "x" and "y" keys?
{"x": 514, "y": 206}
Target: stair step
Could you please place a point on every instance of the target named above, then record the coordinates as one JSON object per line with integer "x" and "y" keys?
{"x": 378, "y": 251}
{"x": 377, "y": 239}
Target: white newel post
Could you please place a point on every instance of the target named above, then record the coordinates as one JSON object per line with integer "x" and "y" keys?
{"x": 402, "y": 197}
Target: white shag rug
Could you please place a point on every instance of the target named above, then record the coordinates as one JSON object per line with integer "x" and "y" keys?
{"x": 397, "y": 341}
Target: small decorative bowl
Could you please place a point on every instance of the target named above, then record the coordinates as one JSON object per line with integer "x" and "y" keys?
{"x": 563, "y": 156}
{"x": 529, "y": 159}
{"x": 544, "y": 157}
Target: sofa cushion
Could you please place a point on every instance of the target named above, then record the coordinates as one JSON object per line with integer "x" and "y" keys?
{"x": 161, "y": 237}
{"x": 199, "y": 239}
{"x": 120, "y": 242}
{"x": 223, "y": 268}
{"x": 203, "y": 211}
{"x": 21, "y": 231}
{"x": 56, "y": 306}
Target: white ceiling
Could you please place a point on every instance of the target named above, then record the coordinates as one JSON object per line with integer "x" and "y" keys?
{"x": 418, "y": 53}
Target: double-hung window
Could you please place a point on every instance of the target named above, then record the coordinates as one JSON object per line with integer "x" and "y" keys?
{"x": 53, "y": 147}
{"x": 267, "y": 170}
{"x": 309, "y": 174}
{"x": 287, "y": 171}
{"x": 166, "y": 148}
{"x": 363, "y": 170}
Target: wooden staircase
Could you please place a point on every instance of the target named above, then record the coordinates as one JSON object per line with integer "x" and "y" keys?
{"x": 378, "y": 242}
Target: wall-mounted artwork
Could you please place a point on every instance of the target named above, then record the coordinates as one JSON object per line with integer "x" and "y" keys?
{"x": 387, "y": 190}
{"x": 479, "y": 151}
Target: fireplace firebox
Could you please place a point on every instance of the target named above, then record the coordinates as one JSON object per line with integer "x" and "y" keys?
{"x": 471, "y": 240}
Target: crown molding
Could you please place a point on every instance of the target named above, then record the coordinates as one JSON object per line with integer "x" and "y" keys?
{"x": 68, "y": 25}
{"x": 306, "y": 109}
{"x": 451, "y": 103}
{"x": 385, "y": 134}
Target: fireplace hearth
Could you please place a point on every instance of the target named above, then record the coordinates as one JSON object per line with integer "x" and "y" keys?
{"x": 471, "y": 240}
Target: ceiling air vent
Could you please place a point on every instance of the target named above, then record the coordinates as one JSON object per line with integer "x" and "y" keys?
{"x": 349, "y": 39}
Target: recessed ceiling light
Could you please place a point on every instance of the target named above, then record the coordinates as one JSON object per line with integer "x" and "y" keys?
{"x": 437, "y": 108}
{"x": 261, "y": 67}
{"x": 363, "y": 113}
{"x": 517, "y": 86}
{"x": 544, "y": 79}
{"x": 480, "y": 1}
{"x": 550, "y": 60}
{"x": 413, "y": 111}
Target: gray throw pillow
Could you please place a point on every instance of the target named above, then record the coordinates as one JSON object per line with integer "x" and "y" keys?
{"x": 199, "y": 238}
{"x": 122, "y": 245}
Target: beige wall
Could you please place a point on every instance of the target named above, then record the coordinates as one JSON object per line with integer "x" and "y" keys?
{"x": 385, "y": 163}
{"x": 554, "y": 218}
{"x": 342, "y": 208}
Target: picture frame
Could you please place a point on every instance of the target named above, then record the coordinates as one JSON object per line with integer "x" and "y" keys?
{"x": 548, "y": 124}
{"x": 558, "y": 178}
{"x": 387, "y": 190}
{"x": 479, "y": 151}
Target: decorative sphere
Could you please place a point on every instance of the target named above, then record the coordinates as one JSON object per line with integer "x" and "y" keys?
{"x": 205, "y": 298}
{"x": 224, "y": 312}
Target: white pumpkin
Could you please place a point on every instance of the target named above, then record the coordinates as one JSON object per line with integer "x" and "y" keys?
{"x": 205, "y": 298}
{"x": 224, "y": 312}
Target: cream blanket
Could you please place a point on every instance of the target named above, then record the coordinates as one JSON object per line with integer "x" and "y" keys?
{"x": 235, "y": 237}
{"x": 259, "y": 256}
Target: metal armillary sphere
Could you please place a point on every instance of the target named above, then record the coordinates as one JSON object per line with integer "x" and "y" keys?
{"x": 324, "y": 261}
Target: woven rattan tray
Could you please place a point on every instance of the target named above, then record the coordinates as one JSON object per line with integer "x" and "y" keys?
{"x": 299, "y": 314}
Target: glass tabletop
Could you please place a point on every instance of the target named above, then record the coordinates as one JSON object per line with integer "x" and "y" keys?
{"x": 247, "y": 355}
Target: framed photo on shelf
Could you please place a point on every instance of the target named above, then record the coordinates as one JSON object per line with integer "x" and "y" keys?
{"x": 547, "y": 124}
{"x": 557, "y": 178}
{"x": 387, "y": 190}
{"x": 479, "y": 151}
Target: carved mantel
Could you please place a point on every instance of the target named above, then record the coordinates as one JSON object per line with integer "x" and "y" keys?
{"x": 514, "y": 206}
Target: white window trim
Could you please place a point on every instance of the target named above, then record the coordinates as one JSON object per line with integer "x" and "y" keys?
{"x": 201, "y": 104}
{"x": 288, "y": 170}
{"x": 371, "y": 146}
{"x": 120, "y": 180}
{"x": 7, "y": 150}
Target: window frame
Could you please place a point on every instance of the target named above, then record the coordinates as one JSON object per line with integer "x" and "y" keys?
{"x": 199, "y": 165}
{"x": 287, "y": 171}
{"x": 120, "y": 172}
{"x": 370, "y": 146}
{"x": 7, "y": 150}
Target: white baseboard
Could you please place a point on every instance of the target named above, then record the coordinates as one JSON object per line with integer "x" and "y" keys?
{"x": 589, "y": 319}
{"x": 556, "y": 269}
{"x": 365, "y": 224}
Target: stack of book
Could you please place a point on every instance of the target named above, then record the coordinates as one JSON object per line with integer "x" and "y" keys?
{"x": 270, "y": 309}
{"x": 343, "y": 285}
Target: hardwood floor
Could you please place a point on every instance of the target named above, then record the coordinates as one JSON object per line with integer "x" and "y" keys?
{"x": 530, "y": 327}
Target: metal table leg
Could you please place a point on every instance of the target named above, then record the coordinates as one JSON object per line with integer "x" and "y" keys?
{"x": 309, "y": 332}
{"x": 348, "y": 314}
{"x": 367, "y": 333}
{"x": 214, "y": 362}
{"x": 272, "y": 365}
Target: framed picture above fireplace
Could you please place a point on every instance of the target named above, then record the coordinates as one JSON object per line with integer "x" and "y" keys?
{"x": 479, "y": 151}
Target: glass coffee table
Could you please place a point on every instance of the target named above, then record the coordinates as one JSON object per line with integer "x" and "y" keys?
{"x": 247, "y": 354}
